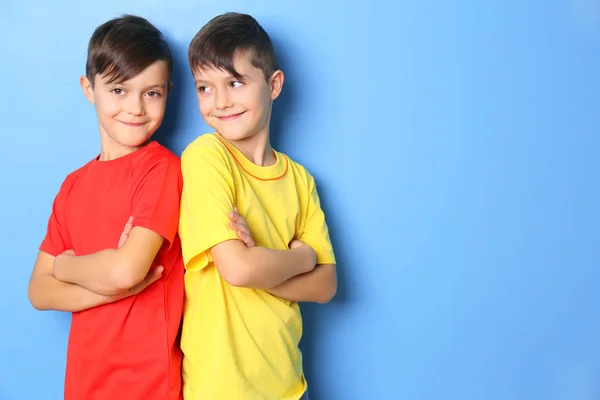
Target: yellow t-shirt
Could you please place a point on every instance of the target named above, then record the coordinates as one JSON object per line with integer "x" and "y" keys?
{"x": 240, "y": 343}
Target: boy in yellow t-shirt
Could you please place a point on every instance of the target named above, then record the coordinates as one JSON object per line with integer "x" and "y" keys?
{"x": 242, "y": 324}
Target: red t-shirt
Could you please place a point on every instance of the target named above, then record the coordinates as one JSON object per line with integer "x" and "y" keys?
{"x": 128, "y": 349}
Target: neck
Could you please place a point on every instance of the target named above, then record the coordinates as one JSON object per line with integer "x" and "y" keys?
{"x": 111, "y": 150}
{"x": 257, "y": 149}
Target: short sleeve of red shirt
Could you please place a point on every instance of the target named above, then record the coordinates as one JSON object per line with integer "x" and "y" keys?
{"x": 57, "y": 239}
{"x": 156, "y": 195}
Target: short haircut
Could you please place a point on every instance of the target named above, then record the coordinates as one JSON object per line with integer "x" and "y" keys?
{"x": 226, "y": 35}
{"x": 123, "y": 47}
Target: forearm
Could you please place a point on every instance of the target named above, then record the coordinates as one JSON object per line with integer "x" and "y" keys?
{"x": 262, "y": 268}
{"x": 319, "y": 286}
{"x": 97, "y": 272}
{"x": 48, "y": 293}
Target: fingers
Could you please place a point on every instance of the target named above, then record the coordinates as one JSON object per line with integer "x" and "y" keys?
{"x": 155, "y": 274}
{"x": 238, "y": 220}
{"x": 243, "y": 233}
{"x": 296, "y": 243}
{"x": 247, "y": 239}
{"x": 152, "y": 276}
{"x": 236, "y": 217}
{"x": 126, "y": 231}
{"x": 240, "y": 225}
{"x": 122, "y": 239}
{"x": 128, "y": 226}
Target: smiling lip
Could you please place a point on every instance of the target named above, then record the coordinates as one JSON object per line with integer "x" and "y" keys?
{"x": 229, "y": 117}
{"x": 134, "y": 125}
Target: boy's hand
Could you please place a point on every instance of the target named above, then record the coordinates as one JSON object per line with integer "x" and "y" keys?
{"x": 240, "y": 225}
{"x": 295, "y": 243}
{"x": 153, "y": 275}
{"x": 70, "y": 252}
{"x": 126, "y": 231}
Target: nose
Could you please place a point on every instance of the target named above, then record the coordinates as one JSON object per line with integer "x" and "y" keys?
{"x": 135, "y": 106}
{"x": 223, "y": 99}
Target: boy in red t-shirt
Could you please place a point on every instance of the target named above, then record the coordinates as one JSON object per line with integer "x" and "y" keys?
{"x": 111, "y": 254}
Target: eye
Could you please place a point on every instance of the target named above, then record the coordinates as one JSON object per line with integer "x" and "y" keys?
{"x": 153, "y": 93}
{"x": 236, "y": 84}
{"x": 118, "y": 91}
{"x": 203, "y": 89}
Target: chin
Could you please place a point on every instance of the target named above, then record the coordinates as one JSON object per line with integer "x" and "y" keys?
{"x": 235, "y": 136}
{"x": 129, "y": 142}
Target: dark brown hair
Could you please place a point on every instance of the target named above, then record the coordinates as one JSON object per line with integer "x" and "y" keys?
{"x": 123, "y": 47}
{"x": 216, "y": 44}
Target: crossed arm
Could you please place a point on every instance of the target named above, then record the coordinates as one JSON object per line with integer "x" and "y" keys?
{"x": 111, "y": 272}
{"x": 72, "y": 283}
{"x": 76, "y": 283}
{"x": 292, "y": 275}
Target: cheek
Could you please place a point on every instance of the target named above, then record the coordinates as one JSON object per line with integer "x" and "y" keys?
{"x": 256, "y": 105}
{"x": 204, "y": 104}
{"x": 254, "y": 101}
{"x": 156, "y": 109}
{"x": 108, "y": 107}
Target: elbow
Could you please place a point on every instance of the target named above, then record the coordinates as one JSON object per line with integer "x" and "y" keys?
{"x": 236, "y": 278}
{"x": 35, "y": 303}
{"x": 236, "y": 274}
{"x": 36, "y": 300}
{"x": 40, "y": 306}
{"x": 125, "y": 276}
{"x": 329, "y": 289}
{"x": 327, "y": 295}
{"x": 234, "y": 263}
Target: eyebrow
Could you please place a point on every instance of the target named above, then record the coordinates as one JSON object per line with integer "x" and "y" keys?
{"x": 158, "y": 85}
{"x": 244, "y": 77}
{"x": 161, "y": 85}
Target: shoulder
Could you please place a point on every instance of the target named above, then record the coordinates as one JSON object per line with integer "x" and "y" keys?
{"x": 302, "y": 176}
{"x": 154, "y": 160}
{"x": 205, "y": 143}
{"x": 205, "y": 151}
{"x": 73, "y": 177}
{"x": 155, "y": 153}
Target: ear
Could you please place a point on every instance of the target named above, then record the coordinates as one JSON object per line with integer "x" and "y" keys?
{"x": 169, "y": 87}
{"x": 276, "y": 84}
{"x": 88, "y": 90}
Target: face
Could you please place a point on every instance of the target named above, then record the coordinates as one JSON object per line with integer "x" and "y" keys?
{"x": 129, "y": 112}
{"x": 237, "y": 108}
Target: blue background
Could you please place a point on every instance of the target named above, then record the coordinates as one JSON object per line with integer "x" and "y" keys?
{"x": 455, "y": 148}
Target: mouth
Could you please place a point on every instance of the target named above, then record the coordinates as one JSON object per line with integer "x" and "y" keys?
{"x": 229, "y": 117}
{"x": 133, "y": 124}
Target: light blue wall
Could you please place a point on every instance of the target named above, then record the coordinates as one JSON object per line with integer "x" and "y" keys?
{"x": 455, "y": 145}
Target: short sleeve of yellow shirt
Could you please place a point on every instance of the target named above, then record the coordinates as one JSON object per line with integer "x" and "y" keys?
{"x": 315, "y": 232}
{"x": 206, "y": 201}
